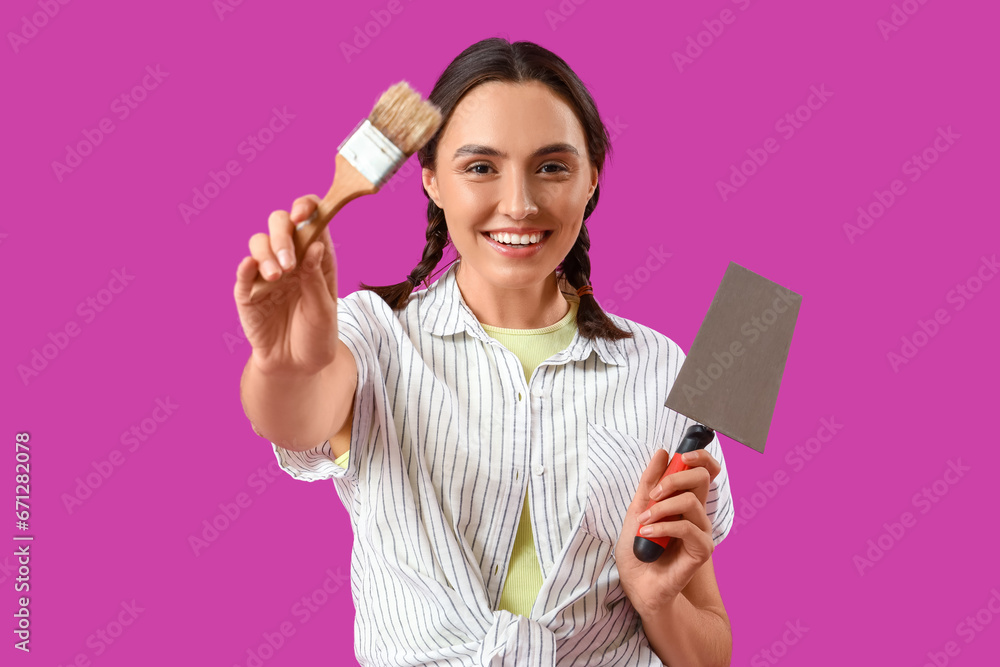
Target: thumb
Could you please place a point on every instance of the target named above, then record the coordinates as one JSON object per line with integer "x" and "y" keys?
{"x": 314, "y": 283}
{"x": 651, "y": 477}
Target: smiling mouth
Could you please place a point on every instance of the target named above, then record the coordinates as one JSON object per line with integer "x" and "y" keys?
{"x": 517, "y": 240}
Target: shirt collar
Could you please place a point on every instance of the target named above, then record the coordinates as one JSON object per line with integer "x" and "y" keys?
{"x": 447, "y": 314}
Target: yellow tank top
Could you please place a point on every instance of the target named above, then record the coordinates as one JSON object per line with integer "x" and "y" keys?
{"x": 532, "y": 347}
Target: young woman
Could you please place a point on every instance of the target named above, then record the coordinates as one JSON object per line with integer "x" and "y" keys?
{"x": 495, "y": 437}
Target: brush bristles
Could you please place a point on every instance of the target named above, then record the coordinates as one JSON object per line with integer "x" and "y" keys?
{"x": 404, "y": 118}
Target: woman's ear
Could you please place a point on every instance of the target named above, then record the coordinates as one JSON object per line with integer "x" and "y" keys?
{"x": 593, "y": 181}
{"x": 430, "y": 184}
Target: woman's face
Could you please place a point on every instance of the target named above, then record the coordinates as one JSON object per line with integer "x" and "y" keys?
{"x": 513, "y": 177}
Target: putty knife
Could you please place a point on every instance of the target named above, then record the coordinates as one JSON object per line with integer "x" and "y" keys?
{"x": 729, "y": 381}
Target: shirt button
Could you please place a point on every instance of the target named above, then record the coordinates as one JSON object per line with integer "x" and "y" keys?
{"x": 537, "y": 393}
{"x": 539, "y": 469}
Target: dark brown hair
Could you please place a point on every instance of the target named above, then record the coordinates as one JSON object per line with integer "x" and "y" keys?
{"x": 496, "y": 59}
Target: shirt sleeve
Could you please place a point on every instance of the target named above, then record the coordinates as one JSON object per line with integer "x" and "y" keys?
{"x": 358, "y": 328}
{"x": 719, "y": 504}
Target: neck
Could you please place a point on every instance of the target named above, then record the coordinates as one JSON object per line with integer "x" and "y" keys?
{"x": 531, "y": 306}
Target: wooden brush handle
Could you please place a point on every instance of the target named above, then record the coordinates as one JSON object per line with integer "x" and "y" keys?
{"x": 348, "y": 184}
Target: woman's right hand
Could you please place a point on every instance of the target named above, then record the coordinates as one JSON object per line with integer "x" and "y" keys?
{"x": 293, "y": 327}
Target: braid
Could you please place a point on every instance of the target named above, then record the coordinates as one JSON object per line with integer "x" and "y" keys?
{"x": 437, "y": 239}
{"x": 591, "y": 319}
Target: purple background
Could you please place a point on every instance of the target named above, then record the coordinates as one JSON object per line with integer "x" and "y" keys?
{"x": 173, "y": 331}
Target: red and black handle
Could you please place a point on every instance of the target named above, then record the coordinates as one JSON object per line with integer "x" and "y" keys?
{"x": 648, "y": 549}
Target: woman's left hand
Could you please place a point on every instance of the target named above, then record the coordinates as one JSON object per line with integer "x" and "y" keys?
{"x": 650, "y": 586}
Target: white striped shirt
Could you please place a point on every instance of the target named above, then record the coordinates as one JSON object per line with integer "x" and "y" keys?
{"x": 448, "y": 437}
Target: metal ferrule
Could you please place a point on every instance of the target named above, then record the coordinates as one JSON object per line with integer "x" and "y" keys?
{"x": 371, "y": 153}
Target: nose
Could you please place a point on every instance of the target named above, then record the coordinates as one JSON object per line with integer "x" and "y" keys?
{"x": 516, "y": 201}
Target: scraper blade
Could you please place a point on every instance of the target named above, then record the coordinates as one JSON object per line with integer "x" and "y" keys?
{"x": 729, "y": 381}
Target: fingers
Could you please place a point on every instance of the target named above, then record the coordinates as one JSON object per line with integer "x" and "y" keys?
{"x": 328, "y": 266}
{"x": 654, "y": 471}
{"x": 686, "y": 505}
{"x": 697, "y": 479}
{"x": 303, "y": 207}
{"x": 657, "y": 466}
{"x": 274, "y": 252}
{"x": 280, "y": 226}
{"x": 703, "y": 459}
{"x": 260, "y": 250}
{"x": 315, "y": 286}
{"x": 694, "y": 536}
{"x": 246, "y": 272}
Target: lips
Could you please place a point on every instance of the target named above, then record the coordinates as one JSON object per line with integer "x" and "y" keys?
{"x": 545, "y": 233}
{"x": 517, "y": 250}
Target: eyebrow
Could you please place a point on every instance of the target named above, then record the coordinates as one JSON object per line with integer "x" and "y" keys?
{"x": 479, "y": 149}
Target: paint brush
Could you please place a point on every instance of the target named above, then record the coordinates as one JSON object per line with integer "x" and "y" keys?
{"x": 400, "y": 123}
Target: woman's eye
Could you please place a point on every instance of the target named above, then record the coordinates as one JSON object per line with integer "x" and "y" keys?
{"x": 483, "y": 165}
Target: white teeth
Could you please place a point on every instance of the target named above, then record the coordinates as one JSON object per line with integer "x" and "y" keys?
{"x": 515, "y": 239}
